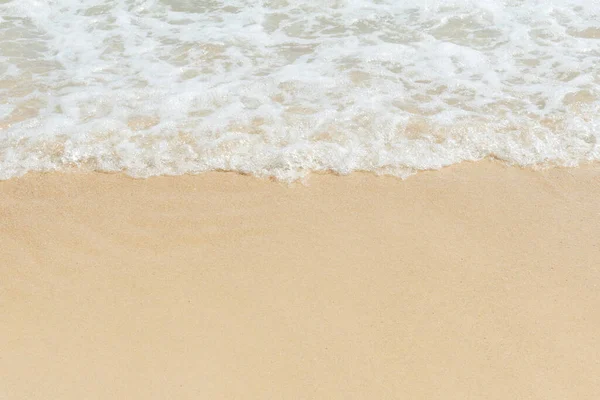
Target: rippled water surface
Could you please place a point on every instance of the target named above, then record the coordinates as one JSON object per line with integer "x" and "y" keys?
{"x": 284, "y": 87}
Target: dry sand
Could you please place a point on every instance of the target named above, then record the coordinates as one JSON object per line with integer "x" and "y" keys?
{"x": 479, "y": 281}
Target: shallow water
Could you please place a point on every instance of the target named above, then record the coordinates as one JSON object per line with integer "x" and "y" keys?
{"x": 284, "y": 87}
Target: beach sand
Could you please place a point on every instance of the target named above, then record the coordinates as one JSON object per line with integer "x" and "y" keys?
{"x": 479, "y": 281}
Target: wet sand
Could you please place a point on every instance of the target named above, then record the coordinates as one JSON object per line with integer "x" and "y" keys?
{"x": 480, "y": 281}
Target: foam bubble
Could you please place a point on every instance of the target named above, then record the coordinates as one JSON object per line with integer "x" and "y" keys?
{"x": 284, "y": 87}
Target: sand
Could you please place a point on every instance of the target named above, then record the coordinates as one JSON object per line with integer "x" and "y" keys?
{"x": 480, "y": 281}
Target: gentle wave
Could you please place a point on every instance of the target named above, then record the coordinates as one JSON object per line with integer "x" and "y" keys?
{"x": 284, "y": 87}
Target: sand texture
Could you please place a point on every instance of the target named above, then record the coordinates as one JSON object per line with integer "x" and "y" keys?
{"x": 480, "y": 281}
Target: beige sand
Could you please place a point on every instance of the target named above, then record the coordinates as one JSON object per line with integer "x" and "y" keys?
{"x": 477, "y": 282}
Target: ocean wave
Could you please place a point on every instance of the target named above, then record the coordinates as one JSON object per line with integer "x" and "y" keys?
{"x": 281, "y": 88}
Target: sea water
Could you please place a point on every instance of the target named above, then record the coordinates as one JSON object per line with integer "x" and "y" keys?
{"x": 283, "y": 87}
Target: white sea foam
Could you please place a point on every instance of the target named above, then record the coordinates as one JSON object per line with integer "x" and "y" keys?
{"x": 284, "y": 87}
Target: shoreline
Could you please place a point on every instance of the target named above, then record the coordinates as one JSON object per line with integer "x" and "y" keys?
{"x": 479, "y": 280}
